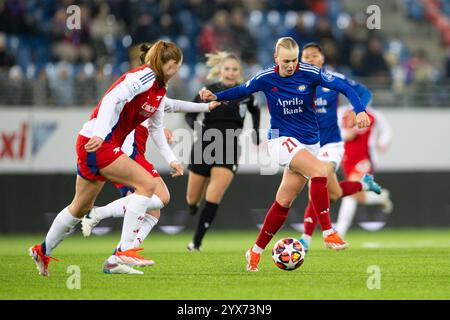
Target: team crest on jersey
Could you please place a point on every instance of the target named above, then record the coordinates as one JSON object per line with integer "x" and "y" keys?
{"x": 134, "y": 87}
{"x": 302, "y": 88}
{"x": 327, "y": 76}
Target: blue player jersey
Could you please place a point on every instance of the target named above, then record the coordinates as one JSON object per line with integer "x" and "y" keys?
{"x": 327, "y": 102}
{"x": 291, "y": 99}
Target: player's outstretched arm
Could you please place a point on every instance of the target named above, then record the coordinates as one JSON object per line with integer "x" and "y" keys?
{"x": 173, "y": 105}
{"x": 235, "y": 93}
{"x": 328, "y": 80}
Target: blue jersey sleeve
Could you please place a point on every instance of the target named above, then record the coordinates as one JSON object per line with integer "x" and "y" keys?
{"x": 363, "y": 92}
{"x": 243, "y": 90}
{"x": 330, "y": 81}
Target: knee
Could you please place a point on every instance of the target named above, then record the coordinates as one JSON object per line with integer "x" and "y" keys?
{"x": 320, "y": 171}
{"x": 335, "y": 195}
{"x": 80, "y": 210}
{"x": 192, "y": 199}
{"x": 285, "y": 201}
{"x": 165, "y": 198}
{"x": 146, "y": 188}
{"x": 155, "y": 213}
{"x": 214, "y": 199}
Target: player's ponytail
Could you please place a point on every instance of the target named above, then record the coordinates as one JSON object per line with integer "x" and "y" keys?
{"x": 143, "y": 48}
{"x": 215, "y": 60}
{"x": 157, "y": 55}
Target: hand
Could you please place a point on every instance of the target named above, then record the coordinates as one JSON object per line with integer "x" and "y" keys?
{"x": 362, "y": 120}
{"x": 178, "y": 167}
{"x": 349, "y": 119}
{"x": 169, "y": 135}
{"x": 93, "y": 144}
{"x": 207, "y": 95}
{"x": 214, "y": 104}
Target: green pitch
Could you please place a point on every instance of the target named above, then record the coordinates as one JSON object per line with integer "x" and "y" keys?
{"x": 412, "y": 264}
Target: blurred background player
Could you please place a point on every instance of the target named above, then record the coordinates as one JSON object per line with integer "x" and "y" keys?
{"x": 289, "y": 88}
{"x": 210, "y": 178}
{"x": 331, "y": 144}
{"x": 359, "y": 159}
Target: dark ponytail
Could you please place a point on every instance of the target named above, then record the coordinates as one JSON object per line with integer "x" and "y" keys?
{"x": 143, "y": 48}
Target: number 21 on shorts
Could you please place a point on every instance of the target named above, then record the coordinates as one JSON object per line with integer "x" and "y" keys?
{"x": 290, "y": 145}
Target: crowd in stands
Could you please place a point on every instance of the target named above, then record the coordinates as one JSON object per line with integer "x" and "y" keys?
{"x": 43, "y": 62}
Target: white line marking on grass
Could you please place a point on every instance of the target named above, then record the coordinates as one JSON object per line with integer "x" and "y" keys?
{"x": 421, "y": 244}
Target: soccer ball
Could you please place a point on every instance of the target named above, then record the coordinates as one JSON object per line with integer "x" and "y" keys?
{"x": 288, "y": 254}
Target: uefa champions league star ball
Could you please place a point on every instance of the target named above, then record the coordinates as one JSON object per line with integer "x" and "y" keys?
{"x": 288, "y": 254}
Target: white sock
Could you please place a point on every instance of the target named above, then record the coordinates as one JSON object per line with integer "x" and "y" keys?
{"x": 373, "y": 198}
{"x": 115, "y": 209}
{"x": 307, "y": 239}
{"x": 147, "y": 226}
{"x": 327, "y": 232}
{"x": 346, "y": 213}
{"x": 134, "y": 217}
{"x": 257, "y": 249}
{"x": 61, "y": 227}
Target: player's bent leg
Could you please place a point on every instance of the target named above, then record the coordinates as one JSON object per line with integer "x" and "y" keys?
{"x": 310, "y": 217}
{"x": 117, "y": 208}
{"x": 220, "y": 180}
{"x": 291, "y": 185}
{"x": 195, "y": 190}
{"x": 85, "y": 193}
{"x": 334, "y": 188}
{"x": 305, "y": 163}
{"x": 348, "y": 207}
{"x": 126, "y": 171}
{"x": 152, "y": 217}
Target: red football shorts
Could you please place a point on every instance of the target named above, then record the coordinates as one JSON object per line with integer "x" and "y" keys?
{"x": 90, "y": 163}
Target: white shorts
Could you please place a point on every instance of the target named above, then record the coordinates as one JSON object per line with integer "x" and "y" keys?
{"x": 283, "y": 149}
{"x": 332, "y": 152}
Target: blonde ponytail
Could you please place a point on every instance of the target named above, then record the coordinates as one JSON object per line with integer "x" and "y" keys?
{"x": 215, "y": 60}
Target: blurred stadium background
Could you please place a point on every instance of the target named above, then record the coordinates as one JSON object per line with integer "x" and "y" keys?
{"x": 51, "y": 77}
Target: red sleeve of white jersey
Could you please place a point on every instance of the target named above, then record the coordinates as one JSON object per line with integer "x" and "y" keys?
{"x": 119, "y": 94}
